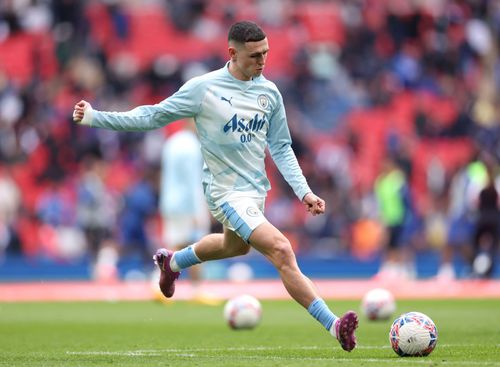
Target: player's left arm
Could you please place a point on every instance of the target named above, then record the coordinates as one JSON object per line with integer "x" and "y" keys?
{"x": 314, "y": 204}
{"x": 280, "y": 147}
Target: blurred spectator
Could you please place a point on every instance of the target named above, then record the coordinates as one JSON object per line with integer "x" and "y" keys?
{"x": 59, "y": 236}
{"x": 140, "y": 205}
{"x": 185, "y": 13}
{"x": 396, "y": 214}
{"x": 487, "y": 224}
{"x": 96, "y": 215}
{"x": 55, "y": 206}
{"x": 10, "y": 205}
{"x": 466, "y": 183}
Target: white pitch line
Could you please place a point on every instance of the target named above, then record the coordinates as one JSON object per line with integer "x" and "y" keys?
{"x": 136, "y": 353}
{"x": 252, "y": 349}
{"x": 394, "y": 361}
{"x": 264, "y": 348}
{"x": 184, "y": 353}
{"x": 198, "y": 353}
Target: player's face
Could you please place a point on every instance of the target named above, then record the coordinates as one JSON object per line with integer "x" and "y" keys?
{"x": 248, "y": 59}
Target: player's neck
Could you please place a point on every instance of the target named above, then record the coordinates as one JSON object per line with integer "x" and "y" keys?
{"x": 236, "y": 73}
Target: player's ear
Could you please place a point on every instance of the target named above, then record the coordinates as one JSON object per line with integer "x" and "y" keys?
{"x": 232, "y": 52}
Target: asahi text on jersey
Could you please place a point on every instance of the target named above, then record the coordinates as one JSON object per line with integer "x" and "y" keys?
{"x": 243, "y": 126}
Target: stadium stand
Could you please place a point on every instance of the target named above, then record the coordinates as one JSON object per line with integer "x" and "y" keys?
{"x": 361, "y": 80}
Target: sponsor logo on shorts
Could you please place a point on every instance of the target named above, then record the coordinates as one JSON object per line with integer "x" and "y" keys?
{"x": 253, "y": 212}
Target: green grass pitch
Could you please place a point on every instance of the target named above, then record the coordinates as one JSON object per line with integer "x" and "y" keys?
{"x": 188, "y": 334}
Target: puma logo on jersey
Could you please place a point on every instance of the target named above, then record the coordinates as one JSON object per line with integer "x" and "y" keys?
{"x": 226, "y": 100}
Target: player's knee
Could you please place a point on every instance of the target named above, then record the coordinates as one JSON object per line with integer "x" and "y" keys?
{"x": 282, "y": 253}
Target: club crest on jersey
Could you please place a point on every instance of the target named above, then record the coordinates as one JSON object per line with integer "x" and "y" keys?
{"x": 263, "y": 101}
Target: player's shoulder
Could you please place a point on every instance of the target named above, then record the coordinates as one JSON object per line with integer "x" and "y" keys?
{"x": 199, "y": 84}
{"x": 207, "y": 77}
{"x": 268, "y": 85}
{"x": 269, "y": 89}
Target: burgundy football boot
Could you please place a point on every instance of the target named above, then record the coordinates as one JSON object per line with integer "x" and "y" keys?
{"x": 167, "y": 276}
{"x": 344, "y": 330}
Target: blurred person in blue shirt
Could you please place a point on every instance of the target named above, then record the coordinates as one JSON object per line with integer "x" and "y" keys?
{"x": 140, "y": 205}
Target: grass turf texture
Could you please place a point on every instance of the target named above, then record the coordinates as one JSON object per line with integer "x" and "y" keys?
{"x": 188, "y": 334}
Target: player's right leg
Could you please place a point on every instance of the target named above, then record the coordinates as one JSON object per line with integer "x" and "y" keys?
{"x": 343, "y": 329}
{"x": 268, "y": 240}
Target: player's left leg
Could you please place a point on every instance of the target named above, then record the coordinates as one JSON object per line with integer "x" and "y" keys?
{"x": 210, "y": 247}
{"x": 268, "y": 240}
{"x": 168, "y": 276}
{"x": 221, "y": 246}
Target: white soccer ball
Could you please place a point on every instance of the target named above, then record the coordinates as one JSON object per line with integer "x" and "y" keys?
{"x": 413, "y": 334}
{"x": 243, "y": 312}
{"x": 378, "y": 304}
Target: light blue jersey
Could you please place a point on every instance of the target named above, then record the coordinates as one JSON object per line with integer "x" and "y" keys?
{"x": 236, "y": 120}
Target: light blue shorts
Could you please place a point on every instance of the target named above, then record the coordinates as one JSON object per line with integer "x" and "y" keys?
{"x": 240, "y": 214}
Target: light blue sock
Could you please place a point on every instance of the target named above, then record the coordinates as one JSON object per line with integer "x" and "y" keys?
{"x": 185, "y": 258}
{"x": 320, "y": 311}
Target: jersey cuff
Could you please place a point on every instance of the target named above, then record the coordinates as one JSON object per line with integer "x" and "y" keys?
{"x": 88, "y": 117}
{"x": 302, "y": 194}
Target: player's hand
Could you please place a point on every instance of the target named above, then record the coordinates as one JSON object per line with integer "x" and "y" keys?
{"x": 79, "y": 110}
{"x": 314, "y": 204}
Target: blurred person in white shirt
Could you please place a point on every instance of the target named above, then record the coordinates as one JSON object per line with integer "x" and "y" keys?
{"x": 184, "y": 211}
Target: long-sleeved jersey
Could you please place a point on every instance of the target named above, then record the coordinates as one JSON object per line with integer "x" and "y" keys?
{"x": 235, "y": 120}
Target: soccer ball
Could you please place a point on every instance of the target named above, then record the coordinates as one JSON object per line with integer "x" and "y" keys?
{"x": 378, "y": 304}
{"x": 243, "y": 312}
{"x": 413, "y": 334}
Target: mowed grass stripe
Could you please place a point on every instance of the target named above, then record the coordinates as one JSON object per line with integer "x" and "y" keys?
{"x": 185, "y": 334}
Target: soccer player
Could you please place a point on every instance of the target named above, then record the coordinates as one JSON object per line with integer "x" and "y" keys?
{"x": 238, "y": 113}
{"x": 183, "y": 207}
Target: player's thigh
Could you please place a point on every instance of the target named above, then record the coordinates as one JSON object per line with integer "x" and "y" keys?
{"x": 269, "y": 240}
{"x": 234, "y": 242}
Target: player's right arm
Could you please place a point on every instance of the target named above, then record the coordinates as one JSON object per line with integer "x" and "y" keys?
{"x": 79, "y": 111}
{"x": 184, "y": 103}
